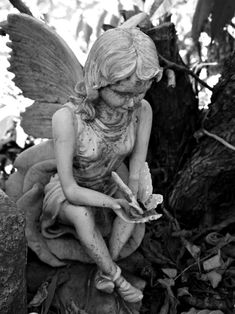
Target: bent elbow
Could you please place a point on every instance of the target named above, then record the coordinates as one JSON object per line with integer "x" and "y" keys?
{"x": 73, "y": 194}
{"x": 69, "y": 193}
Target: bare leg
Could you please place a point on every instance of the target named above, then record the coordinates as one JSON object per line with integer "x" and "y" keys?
{"x": 121, "y": 232}
{"x": 83, "y": 220}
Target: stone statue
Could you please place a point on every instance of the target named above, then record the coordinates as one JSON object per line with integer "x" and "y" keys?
{"x": 79, "y": 198}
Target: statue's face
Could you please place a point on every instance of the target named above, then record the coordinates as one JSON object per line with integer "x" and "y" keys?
{"x": 125, "y": 94}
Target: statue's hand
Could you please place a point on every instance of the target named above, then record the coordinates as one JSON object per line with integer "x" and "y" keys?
{"x": 129, "y": 209}
{"x": 126, "y": 212}
{"x": 120, "y": 204}
{"x": 123, "y": 210}
{"x": 135, "y": 209}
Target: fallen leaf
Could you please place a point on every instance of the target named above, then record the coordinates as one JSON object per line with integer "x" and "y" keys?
{"x": 40, "y": 296}
{"x": 183, "y": 291}
{"x": 193, "y": 249}
{"x": 213, "y": 277}
{"x": 170, "y": 272}
{"x": 213, "y": 262}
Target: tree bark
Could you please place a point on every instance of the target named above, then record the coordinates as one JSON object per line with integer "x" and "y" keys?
{"x": 175, "y": 114}
{"x": 12, "y": 258}
{"x": 206, "y": 183}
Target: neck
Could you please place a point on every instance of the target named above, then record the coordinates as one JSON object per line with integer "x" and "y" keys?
{"x": 109, "y": 115}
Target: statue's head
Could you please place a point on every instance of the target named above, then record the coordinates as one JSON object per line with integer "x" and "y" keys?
{"x": 118, "y": 54}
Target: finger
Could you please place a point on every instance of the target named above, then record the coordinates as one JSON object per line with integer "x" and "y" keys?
{"x": 124, "y": 204}
{"x": 120, "y": 213}
{"x": 147, "y": 219}
{"x": 136, "y": 207}
{"x": 134, "y": 213}
{"x": 121, "y": 185}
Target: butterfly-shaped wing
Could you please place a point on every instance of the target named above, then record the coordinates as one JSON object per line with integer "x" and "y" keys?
{"x": 46, "y": 70}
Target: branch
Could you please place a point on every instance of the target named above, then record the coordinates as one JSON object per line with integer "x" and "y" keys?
{"x": 21, "y": 6}
{"x": 198, "y": 134}
{"x": 181, "y": 68}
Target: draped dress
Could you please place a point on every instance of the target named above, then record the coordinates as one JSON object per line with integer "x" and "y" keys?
{"x": 99, "y": 150}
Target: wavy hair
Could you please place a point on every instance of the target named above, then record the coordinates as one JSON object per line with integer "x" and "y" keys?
{"x": 116, "y": 55}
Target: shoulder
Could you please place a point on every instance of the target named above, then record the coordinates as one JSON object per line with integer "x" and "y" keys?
{"x": 145, "y": 111}
{"x": 62, "y": 114}
{"x": 66, "y": 118}
{"x": 66, "y": 112}
{"x": 145, "y": 106}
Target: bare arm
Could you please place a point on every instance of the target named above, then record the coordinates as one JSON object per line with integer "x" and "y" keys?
{"x": 139, "y": 153}
{"x": 64, "y": 143}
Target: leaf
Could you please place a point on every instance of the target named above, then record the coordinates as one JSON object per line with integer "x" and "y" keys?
{"x": 183, "y": 291}
{"x": 170, "y": 272}
{"x": 213, "y": 262}
{"x": 162, "y": 9}
{"x": 222, "y": 13}
{"x": 193, "y": 249}
{"x": 213, "y": 277}
{"x": 151, "y": 6}
{"x": 202, "y": 12}
{"x": 166, "y": 282}
{"x": 40, "y": 296}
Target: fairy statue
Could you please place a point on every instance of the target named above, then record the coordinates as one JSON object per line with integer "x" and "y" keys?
{"x": 79, "y": 197}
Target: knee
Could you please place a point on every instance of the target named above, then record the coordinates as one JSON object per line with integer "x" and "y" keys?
{"x": 78, "y": 215}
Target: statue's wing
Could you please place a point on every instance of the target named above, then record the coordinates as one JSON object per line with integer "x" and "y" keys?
{"x": 46, "y": 70}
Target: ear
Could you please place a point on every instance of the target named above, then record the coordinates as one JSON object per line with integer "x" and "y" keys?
{"x": 80, "y": 88}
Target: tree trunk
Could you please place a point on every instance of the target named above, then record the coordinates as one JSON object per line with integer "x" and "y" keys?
{"x": 206, "y": 183}
{"x": 12, "y": 258}
{"x": 175, "y": 114}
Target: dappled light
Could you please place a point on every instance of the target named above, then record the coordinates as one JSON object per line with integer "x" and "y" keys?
{"x": 180, "y": 257}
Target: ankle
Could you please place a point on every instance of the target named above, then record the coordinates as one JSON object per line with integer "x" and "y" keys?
{"x": 117, "y": 274}
{"x": 112, "y": 276}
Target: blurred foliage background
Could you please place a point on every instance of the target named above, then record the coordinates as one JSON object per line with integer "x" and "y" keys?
{"x": 206, "y": 33}
{"x": 205, "y": 29}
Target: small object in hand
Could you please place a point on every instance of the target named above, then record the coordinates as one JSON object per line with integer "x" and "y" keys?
{"x": 138, "y": 212}
{"x": 128, "y": 194}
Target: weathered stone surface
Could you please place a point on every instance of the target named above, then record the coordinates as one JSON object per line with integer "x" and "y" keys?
{"x": 12, "y": 258}
{"x": 72, "y": 287}
{"x": 79, "y": 293}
